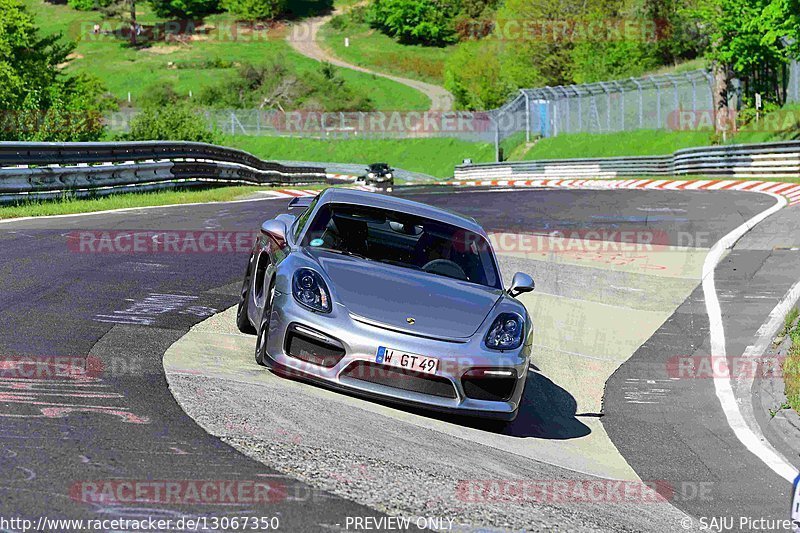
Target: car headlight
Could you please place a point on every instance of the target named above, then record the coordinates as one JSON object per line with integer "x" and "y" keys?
{"x": 388, "y": 174}
{"x": 506, "y": 333}
{"x": 310, "y": 290}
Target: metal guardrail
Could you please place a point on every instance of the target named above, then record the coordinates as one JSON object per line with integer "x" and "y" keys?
{"x": 45, "y": 170}
{"x": 765, "y": 161}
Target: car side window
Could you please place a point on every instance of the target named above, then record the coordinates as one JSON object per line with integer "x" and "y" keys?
{"x": 301, "y": 221}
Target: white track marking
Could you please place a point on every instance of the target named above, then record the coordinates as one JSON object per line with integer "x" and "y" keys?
{"x": 124, "y": 209}
{"x": 758, "y": 446}
{"x": 769, "y": 329}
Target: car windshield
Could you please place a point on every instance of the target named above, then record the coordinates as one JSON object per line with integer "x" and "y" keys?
{"x": 404, "y": 240}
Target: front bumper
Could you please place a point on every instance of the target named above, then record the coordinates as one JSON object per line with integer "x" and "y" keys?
{"x": 356, "y": 371}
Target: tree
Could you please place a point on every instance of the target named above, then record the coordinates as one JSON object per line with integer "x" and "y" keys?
{"x": 38, "y": 100}
{"x": 184, "y": 9}
{"x": 780, "y": 21}
{"x": 744, "y": 38}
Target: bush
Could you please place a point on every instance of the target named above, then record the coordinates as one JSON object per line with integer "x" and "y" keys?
{"x": 160, "y": 95}
{"x": 255, "y": 9}
{"x": 339, "y": 22}
{"x": 483, "y": 74}
{"x": 274, "y": 85}
{"x": 178, "y": 122}
{"x": 428, "y": 22}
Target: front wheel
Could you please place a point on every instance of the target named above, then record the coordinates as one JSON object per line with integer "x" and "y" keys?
{"x": 242, "y": 322}
{"x": 263, "y": 330}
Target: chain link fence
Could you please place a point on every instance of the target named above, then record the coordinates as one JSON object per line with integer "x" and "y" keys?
{"x": 650, "y": 102}
{"x": 793, "y": 87}
{"x": 635, "y": 103}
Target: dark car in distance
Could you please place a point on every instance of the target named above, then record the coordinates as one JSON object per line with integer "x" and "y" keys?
{"x": 378, "y": 174}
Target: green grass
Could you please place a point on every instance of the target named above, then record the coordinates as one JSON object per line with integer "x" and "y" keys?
{"x": 791, "y": 370}
{"x": 124, "y": 69}
{"x": 686, "y": 66}
{"x": 434, "y": 156}
{"x": 626, "y": 143}
{"x": 67, "y": 206}
{"x": 783, "y": 124}
{"x": 790, "y": 319}
{"x": 778, "y": 125}
{"x": 371, "y": 49}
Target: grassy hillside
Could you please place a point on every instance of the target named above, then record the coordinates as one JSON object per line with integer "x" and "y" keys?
{"x": 195, "y": 64}
{"x": 627, "y": 143}
{"x": 435, "y": 156}
{"x": 371, "y": 49}
{"x": 778, "y": 125}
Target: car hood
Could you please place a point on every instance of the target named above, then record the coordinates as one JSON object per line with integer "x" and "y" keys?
{"x": 388, "y": 296}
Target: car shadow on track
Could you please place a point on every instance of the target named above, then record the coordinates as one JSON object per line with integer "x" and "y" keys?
{"x": 547, "y": 411}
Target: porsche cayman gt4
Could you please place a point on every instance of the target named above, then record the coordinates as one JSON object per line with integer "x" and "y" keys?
{"x": 388, "y": 299}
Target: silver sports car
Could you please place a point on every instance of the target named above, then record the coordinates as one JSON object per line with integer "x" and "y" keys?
{"x": 389, "y": 299}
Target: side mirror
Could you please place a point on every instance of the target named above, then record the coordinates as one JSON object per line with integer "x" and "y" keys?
{"x": 299, "y": 202}
{"x": 276, "y": 229}
{"x": 520, "y": 284}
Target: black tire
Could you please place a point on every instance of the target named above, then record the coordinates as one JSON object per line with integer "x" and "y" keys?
{"x": 242, "y": 322}
{"x": 261, "y": 339}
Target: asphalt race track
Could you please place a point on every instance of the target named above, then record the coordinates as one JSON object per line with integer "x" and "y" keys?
{"x": 616, "y": 317}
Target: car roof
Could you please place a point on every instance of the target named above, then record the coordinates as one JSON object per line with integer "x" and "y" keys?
{"x": 371, "y": 199}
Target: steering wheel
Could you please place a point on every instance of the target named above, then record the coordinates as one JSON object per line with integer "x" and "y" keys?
{"x": 445, "y": 267}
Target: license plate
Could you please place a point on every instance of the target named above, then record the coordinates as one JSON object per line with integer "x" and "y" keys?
{"x": 408, "y": 361}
